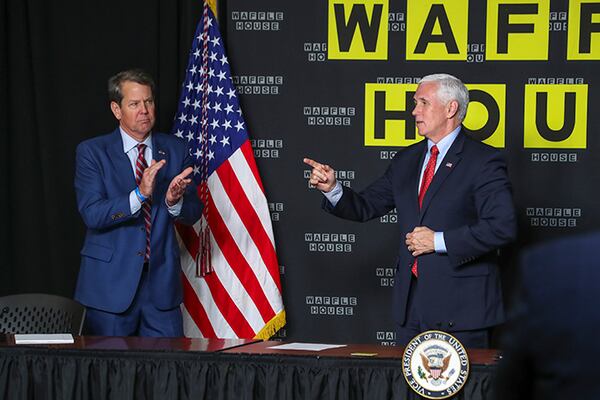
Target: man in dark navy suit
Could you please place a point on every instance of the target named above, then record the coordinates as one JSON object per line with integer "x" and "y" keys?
{"x": 455, "y": 210}
{"x": 550, "y": 346}
{"x": 131, "y": 185}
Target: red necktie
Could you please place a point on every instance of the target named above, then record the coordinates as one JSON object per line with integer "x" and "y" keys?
{"x": 425, "y": 182}
{"x": 140, "y": 166}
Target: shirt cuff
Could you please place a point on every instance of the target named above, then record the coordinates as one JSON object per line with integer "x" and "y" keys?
{"x": 134, "y": 202}
{"x": 175, "y": 209}
{"x": 335, "y": 194}
{"x": 439, "y": 244}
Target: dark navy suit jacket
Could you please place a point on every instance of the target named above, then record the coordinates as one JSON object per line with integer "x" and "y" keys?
{"x": 470, "y": 201}
{"x": 551, "y": 346}
{"x": 112, "y": 256}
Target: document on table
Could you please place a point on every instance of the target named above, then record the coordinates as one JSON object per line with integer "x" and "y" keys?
{"x": 47, "y": 338}
{"x": 306, "y": 346}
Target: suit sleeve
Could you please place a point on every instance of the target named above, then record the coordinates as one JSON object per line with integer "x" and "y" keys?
{"x": 496, "y": 221}
{"x": 191, "y": 209}
{"x": 376, "y": 200}
{"x": 96, "y": 208}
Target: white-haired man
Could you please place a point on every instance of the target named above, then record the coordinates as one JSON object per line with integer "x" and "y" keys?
{"x": 455, "y": 209}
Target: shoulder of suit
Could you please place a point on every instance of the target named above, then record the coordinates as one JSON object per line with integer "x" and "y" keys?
{"x": 415, "y": 149}
{"x": 478, "y": 145}
{"x": 167, "y": 138}
{"x": 98, "y": 141}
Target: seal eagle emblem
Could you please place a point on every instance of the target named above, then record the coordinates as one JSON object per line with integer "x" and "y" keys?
{"x": 435, "y": 365}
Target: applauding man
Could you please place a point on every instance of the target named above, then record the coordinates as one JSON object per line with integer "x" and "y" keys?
{"x": 131, "y": 185}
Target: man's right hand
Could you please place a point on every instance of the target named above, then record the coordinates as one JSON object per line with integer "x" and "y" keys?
{"x": 322, "y": 176}
{"x": 149, "y": 177}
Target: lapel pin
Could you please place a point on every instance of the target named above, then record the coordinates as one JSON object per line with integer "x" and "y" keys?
{"x": 449, "y": 164}
{"x": 162, "y": 153}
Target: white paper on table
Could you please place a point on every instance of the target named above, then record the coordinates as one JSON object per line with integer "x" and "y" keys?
{"x": 46, "y": 338}
{"x": 306, "y": 346}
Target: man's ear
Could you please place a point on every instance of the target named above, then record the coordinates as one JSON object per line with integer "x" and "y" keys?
{"x": 452, "y": 109}
{"x": 116, "y": 110}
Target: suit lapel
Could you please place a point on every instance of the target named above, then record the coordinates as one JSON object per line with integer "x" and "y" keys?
{"x": 159, "y": 152}
{"x": 446, "y": 167}
{"x": 120, "y": 161}
{"x": 416, "y": 183}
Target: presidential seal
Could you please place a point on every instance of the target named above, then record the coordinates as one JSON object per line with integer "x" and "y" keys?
{"x": 435, "y": 365}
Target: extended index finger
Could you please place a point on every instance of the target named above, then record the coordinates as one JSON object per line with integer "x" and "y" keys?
{"x": 313, "y": 163}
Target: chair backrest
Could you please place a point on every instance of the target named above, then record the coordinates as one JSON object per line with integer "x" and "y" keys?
{"x": 40, "y": 313}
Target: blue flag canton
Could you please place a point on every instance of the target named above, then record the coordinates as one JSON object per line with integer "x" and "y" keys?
{"x": 226, "y": 126}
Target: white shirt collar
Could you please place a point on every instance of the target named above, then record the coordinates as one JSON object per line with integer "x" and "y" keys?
{"x": 129, "y": 142}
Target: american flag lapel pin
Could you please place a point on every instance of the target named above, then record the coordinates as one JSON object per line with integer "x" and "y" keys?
{"x": 449, "y": 165}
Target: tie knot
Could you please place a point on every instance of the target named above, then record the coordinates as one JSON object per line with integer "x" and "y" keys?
{"x": 434, "y": 150}
{"x": 141, "y": 147}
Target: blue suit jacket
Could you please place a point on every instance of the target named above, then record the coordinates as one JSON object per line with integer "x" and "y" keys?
{"x": 470, "y": 201}
{"x": 112, "y": 256}
{"x": 550, "y": 346}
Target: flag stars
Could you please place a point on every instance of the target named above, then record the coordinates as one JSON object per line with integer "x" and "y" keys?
{"x": 197, "y": 53}
{"x": 196, "y": 104}
{"x": 196, "y": 170}
{"x": 229, "y": 108}
{"x": 198, "y": 87}
{"x": 193, "y": 70}
{"x": 215, "y": 41}
{"x": 239, "y": 126}
{"x": 231, "y": 93}
{"x": 209, "y": 89}
{"x": 190, "y": 136}
{"x": 179, "y": 133}
{"x": 219, "y": 91}
{"x": 194, "y": 119}
{"x": 198, "y": 153}
{"x": 190, "y": 86}
{"x": 214, "y": 124}
{"x": 186, "y": 102}
{"x": 217, "y": 107}
{"x": 212, "y": 139}
{"x": 182, "y": 118}
{"x": 211, "y": 155}
{"x": 211, "y": 73}
{"x": 227, "y": 124}
{"x": 222, "y": 75}
{"x": 225, "y": 141}
{"x": 213, "y": 56}
{"x": 224, "y": 60}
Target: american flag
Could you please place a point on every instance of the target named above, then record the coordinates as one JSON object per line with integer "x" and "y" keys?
{"x": 235, "y": 291}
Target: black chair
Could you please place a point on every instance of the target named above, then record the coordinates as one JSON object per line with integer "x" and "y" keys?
{"x": 40, "y": 313}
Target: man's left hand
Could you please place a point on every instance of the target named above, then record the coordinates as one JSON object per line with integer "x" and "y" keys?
{"x": 420, "y": 241}
{"x": 177, "y": 186}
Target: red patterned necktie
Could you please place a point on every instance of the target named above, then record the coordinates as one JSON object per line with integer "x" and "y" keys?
{"x": 425, "y": 182}
{"x": 140, "y": 166}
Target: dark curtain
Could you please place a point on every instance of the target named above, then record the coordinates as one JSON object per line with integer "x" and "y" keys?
{"x": 55, "y": 59}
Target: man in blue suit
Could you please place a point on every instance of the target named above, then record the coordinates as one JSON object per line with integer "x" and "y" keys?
{"x": 549, "y": 347}
{"x": 131, "y": 185}
{"x": 455, "y": 210}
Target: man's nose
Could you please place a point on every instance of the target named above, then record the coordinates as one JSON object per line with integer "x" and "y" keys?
{"x": 144, "y": 108}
